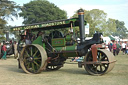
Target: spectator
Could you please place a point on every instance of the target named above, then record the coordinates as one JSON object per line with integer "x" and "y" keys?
{"x": 123, "y": 46}
{"x": 127, "y": 48}
{"x": 114, "y": 48}
{"x": 118, "y": 48}
{"x": 110, "y": 46}
{"x": 4, "y": 51}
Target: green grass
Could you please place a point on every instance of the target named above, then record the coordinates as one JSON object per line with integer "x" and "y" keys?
{"x": 70, "y": 74}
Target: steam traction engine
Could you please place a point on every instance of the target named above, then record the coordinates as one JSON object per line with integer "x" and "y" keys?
{"x": 51, "y": 51}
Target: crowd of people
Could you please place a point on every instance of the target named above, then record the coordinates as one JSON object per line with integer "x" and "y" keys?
{"x": 117, "y": 46}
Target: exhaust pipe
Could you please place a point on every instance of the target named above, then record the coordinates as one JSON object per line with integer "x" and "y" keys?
{"x": 81, "y": 25}
{"x": 7, "y": 36}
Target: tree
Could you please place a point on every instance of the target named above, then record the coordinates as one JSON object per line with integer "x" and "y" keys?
{"x": 96, "y": 19}
{"x": 7, "y": 10}
{"x": 111, "y": 27}
{"x": 41, "y": 10}
{"x": 120, "y": 29}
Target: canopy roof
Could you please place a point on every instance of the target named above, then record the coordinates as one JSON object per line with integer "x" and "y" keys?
{"x": 111, "y": 38}
{"x": 57, "y": 24}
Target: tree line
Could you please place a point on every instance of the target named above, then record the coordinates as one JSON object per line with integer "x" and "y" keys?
{"x": 42, "y": 10}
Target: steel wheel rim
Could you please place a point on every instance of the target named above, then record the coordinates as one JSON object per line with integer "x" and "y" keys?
{"x": 32, "y": 61}
{"x": 33, "y": 58}
{"x": 99, "y": 69}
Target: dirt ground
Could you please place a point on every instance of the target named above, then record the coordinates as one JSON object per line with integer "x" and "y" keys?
{"x": 70, "y": 74}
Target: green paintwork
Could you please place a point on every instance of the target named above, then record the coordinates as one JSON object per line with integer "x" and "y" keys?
{"x": 38, "y": 41}
{"x": 49, "y": 25}
{"x": 66, "y": 48}
{"x": 71, "y": 48}
{"x": 68, "y": 38}
{"x": 58, "y": 42}
{"x": 59, "y": 48}
{"x": 44, "y": 45}
{"x": 70, "y": 54}
{"x": 45, "y": 24}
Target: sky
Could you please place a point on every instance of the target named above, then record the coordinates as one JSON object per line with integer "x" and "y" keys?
{"x": 115, "y": 9}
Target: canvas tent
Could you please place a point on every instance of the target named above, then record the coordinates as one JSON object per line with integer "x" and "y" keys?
{"x": 112, "y": 38}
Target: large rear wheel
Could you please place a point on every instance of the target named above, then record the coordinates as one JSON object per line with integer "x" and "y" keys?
{"x": 105, "y": 62}
{"x": 33, "y": 58}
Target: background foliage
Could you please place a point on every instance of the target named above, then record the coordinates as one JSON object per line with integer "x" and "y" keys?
{"x": 8, "y": 9}
{"x": 37, "y": 11}
{"x": 41, "y": 10}
{"x": 98, "y": 21}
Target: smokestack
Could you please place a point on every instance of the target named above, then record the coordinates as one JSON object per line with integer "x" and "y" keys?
{"x": 81, "y": 25}
{"x": 7, "y": 35}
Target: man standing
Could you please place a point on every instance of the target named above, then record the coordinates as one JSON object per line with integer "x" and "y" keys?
{"x": 123, "y": 47}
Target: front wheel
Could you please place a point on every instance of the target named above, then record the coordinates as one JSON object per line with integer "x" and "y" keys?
{"x": 33, "y": 58}
{"x": 105, "y": 62}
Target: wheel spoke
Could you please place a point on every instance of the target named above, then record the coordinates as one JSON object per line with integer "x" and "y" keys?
{"x": 96, "y": 68}
{"x": 98, "y": 55}
{"x": 27, "y": 53}
{"x": 31, "y": 51}
{"x": 24, "y": 60}
{"x": 101, "y": 68}
{"x": 104, "y": 65}
{"x": 33, "y": 67}
{"x": 102, "y": 58}
{"x": 35, "y": 53}
{"x": 36, "y": 64}
{"x": 27, "y": 64}
{"x": 39, "y": 55}
{"x": 37, "y": 58}
{"x": 93, "y": 68}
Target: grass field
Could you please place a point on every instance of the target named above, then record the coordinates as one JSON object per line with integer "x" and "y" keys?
{"x": 70, "y": 74}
